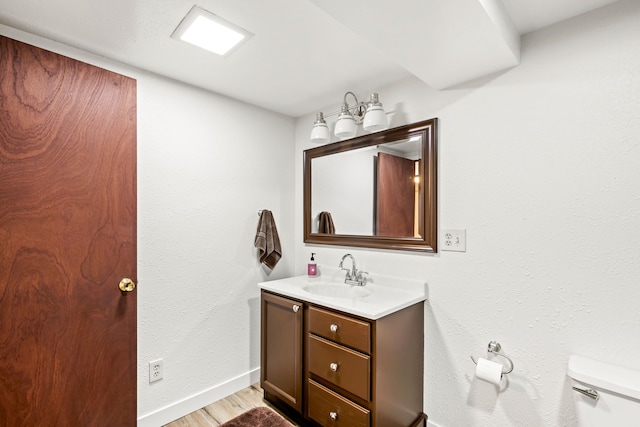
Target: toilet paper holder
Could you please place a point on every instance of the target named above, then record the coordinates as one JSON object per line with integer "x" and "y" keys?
{"x": 495, "y": 348}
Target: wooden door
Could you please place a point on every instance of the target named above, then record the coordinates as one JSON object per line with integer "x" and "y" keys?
{"x": 395, "y": 196}
{"x": 67, "y": 238}
{"x": 281, "y": 349}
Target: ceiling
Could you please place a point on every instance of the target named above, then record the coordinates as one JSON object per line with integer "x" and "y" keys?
{"x": 305, "y": 53}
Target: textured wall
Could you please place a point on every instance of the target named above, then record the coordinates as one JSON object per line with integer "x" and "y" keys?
{"x": 205, "y": 168}
{"x": 540, "y": 164}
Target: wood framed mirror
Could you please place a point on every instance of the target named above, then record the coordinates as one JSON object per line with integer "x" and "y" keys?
{"x": 375, "y": 191}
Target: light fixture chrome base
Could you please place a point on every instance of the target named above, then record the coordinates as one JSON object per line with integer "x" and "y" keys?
{"x": 358, "y": 111}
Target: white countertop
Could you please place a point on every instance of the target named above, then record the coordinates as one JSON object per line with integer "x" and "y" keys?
{"x": 387, "y": 294}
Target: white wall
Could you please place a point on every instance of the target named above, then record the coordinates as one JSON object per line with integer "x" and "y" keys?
{"x": 205, "y": 168}
{"x": 541, "y": 165}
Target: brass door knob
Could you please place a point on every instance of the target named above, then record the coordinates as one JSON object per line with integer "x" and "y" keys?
{"x": 127, "y": 285}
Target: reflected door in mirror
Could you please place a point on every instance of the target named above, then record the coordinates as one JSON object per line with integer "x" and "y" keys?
{"x": 395, "y": 196}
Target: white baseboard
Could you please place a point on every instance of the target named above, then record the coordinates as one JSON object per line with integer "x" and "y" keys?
{"x": 190, "y": 404}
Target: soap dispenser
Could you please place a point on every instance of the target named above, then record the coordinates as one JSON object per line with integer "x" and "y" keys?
{"x": 312, "y": 267}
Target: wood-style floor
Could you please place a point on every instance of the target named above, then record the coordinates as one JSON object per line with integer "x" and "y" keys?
{"x": 225, "y": 409}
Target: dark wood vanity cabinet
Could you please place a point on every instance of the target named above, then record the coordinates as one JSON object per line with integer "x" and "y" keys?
{"x": 281, "y": 349}
{"x": 356, "y": 372}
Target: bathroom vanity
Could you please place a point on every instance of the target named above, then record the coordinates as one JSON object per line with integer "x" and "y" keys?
{"x": 337, "y": 355}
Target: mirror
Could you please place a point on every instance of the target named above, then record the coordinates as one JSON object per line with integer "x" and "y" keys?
{"x": 375, "y": 191}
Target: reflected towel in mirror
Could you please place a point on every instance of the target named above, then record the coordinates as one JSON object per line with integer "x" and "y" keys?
{"x": 325, "y": 223}
{"x": 267, "y": 240}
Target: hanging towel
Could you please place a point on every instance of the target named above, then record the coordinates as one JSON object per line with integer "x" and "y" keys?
{"x": 325, "y": 224}
{"x": 267, "y": 240}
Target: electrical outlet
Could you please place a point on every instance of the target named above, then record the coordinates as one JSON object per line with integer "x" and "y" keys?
{"x": 454, "y": 240}
{"x": 155, "y": 370}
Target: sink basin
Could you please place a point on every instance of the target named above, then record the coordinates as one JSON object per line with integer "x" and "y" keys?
{"x": 337, "y": 291}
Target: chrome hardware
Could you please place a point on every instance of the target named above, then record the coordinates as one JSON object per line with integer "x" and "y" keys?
{"x": 127, "y": 285}
{"x": 495, "y": 347}
{"x": 589, "y": 392}
{"x": 350, "y": 273}
{"x": 333, "y": 367}
{"x": 333, "y": 328}
{"x": 296, "y": 308}
{"x": 353, "y": 275}
{"x": 333, "y": 415}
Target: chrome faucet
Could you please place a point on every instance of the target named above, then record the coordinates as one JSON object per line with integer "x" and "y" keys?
{"x": 353, "y": 275}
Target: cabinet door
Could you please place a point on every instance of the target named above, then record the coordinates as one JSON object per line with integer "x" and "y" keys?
{"x": 281, "y": 348}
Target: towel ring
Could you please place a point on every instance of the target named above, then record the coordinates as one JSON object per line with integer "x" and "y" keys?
{"x": 495, "y": 347}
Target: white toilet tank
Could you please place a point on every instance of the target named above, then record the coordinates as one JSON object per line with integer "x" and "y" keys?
{"x": 618, "y": 393}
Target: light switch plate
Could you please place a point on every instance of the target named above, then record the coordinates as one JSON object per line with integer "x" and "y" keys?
{"x": 454, "y": 240}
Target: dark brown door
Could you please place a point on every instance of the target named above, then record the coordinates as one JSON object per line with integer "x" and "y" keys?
{"x": 281, "y": 349}
{"x": 395, "y": 196}
{"x": 67, "y": 238}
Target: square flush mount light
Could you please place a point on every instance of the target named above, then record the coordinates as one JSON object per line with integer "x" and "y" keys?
{"x": 208, "y": 31}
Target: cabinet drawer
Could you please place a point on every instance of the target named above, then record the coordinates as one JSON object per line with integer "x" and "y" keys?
{"x": 343, "y": 367}
{"x": 341, "y": 329}
{"x": 330, "y": 409}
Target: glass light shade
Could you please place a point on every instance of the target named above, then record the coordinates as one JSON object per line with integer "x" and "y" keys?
{"x": 346, "y": 124}
{"x": 320, "y": 133}
{"x": 375, "y": 119}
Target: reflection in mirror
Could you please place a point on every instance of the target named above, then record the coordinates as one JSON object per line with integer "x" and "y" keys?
{"x": 376, "y": 190}
{"x": 380, "y": 180}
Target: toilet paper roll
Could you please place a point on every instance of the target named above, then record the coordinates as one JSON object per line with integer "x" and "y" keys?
{"x": 489, "y": 371}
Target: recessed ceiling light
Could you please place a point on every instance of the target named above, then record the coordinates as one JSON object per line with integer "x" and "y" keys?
{"x": 208, "y": 31}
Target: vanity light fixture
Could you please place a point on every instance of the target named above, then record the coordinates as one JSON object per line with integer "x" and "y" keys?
{"x": 208, "y": 31}
{"x": 370, "y": 114}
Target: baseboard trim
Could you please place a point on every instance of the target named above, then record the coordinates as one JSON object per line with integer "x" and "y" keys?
{"x": 192, "y": 403}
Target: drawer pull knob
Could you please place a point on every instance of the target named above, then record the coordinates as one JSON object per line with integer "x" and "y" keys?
{"x": 296, "y": 308}
{"x": 333, "y": 415}
{"x": 333, "y": 367}
{"x": 333, "y": 328}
